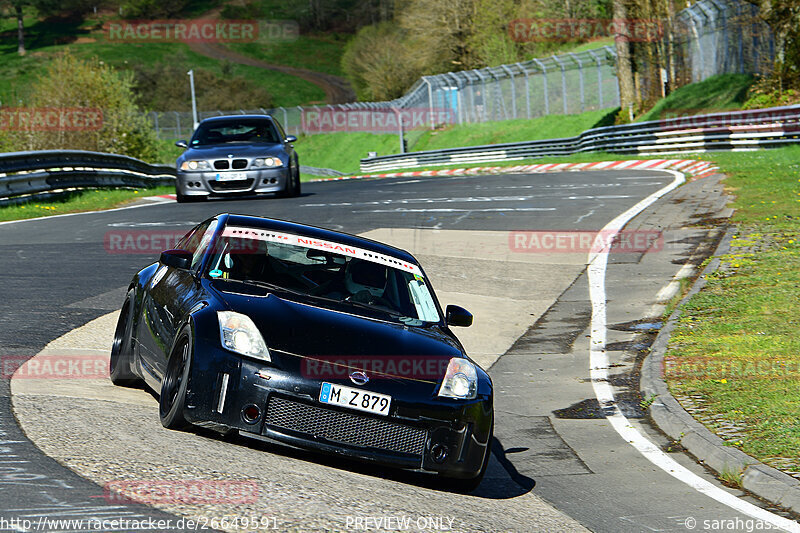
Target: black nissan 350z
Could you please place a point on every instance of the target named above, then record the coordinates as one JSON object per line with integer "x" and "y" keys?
{"x": 310, "y": 337}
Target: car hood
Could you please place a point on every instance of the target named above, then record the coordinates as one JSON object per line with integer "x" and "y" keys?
{"x": 222, "y": 151}
{"x": 305, "y": 329}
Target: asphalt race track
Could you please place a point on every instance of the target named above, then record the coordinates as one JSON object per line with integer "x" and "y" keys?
{"x": 558, "y": 464}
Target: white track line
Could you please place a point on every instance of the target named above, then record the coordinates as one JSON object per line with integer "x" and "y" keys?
{"x": 598, "y": 366}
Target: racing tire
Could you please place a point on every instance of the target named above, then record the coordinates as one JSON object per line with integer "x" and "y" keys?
{"x": 120, "y": 363}
{"x": 172, "y": 400}
{"x": 297, "y": 186}
{"x": 292, "y": 189}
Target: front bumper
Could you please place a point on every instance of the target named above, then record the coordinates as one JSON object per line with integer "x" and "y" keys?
{"x": 437, "y": 435}
{"x": 257, "y": 181}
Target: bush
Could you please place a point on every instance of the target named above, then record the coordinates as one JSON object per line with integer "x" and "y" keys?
{"x": 69, "y": 82}
{"x": 379, "y": 62}
{"x": 165, "y": 87}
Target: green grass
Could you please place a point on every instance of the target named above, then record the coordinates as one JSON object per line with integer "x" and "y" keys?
{"x": 321, "y": 53}
{"x": 44, "y": 40}
{"x": 723, "y": 92}
{"x": 342, "y": 151}
{"x": 86, "y": 200}
{"x": 593, "y": 45}
{"x": 736, "y": 345}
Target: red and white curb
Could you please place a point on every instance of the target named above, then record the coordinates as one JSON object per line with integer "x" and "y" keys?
{"x": 691, "y": 167}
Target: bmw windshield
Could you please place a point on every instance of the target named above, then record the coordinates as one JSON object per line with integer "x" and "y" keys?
{"x": 245, "y": 130}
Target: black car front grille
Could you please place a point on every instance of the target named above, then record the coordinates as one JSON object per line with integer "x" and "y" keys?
{"x": 344, "y": 428}
{"x": 231, "y": 185}
{"x": 225, "y": 164}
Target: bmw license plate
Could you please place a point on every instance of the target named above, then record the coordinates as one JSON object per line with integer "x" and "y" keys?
{"x": 231, "y": 176}
{"x": 371, "y": 402}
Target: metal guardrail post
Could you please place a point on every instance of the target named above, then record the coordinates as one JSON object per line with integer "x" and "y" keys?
{"x": 482, "y": 105}
{"x": 178, "y": 130}
{"x": 527, "y": 90}
{"x": 513, "y": 90}
{"x": 430, "y": 100}
{"x": 301, "y": 122}
{"x": 563, "y": 83}
{"x": 580, "y": 78}
{"x": 599, "y": 66}
{"x": 544, "y": 84}
{"x": 458, "y": 95}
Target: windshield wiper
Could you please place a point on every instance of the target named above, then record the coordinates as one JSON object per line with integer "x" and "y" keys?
{"x": 374, "y": 308}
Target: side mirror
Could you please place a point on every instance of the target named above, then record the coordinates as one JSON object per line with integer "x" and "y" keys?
{"x": 177, "y": 259}
{"x": 291, "y": 139}
{"x": 458, "y": 316}
{"x": 182, "y": 144}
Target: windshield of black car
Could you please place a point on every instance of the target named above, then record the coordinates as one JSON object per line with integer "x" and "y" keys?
{"x": 251, "y": 130}
{"x": 355, "y": 281}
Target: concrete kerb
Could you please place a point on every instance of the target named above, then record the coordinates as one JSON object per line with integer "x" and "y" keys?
{"x": 696, "y": 169}
{"x": 669, "y": 416}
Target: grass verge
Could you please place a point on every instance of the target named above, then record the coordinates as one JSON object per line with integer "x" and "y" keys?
{"x": 723, "y": 92}
{"x": 47, "y": 38}
{"x": 343, "y": 151}
{"x": 734, "y": 357}
{"x": 77, "y": 201}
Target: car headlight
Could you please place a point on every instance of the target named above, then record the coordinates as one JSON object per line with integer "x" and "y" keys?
{"x": 267, "y": 162}
{"x": 460, "y": 380}
{"x": 194, "y": 165}
{"x": 239, "y": 334}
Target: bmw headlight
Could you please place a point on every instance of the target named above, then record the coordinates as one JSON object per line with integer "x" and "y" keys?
{"x": 194, "y": 165}
{"x": 460, "y": 380}
{"x": 267, "y": 162}
{"x": 239, "y": 334}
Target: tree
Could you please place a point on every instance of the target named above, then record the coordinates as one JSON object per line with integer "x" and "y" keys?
{"x": 783, "y": 17}
{"x": 379, "y": 63}
{"x": 627, "y": 95}
{"x": 17, "y": 9}
{"x": 68, "y": 83}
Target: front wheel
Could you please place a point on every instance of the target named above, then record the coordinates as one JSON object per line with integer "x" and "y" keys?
{"x": 292, "y": 189}
{"x": 120, "y": 370}
{"x": 173, "y": 387}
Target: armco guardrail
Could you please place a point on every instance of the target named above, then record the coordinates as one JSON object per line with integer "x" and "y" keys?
{"x": 739, "y": 130}
{"x": 314, "y": 171}
{"x": 31, "y": 173}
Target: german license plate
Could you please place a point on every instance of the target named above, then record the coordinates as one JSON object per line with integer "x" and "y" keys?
{"x": 231, "y": 176}
{"x": 371, "y": 402}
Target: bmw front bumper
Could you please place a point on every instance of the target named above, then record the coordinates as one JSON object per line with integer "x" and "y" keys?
{"x": 256, "y": 181}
